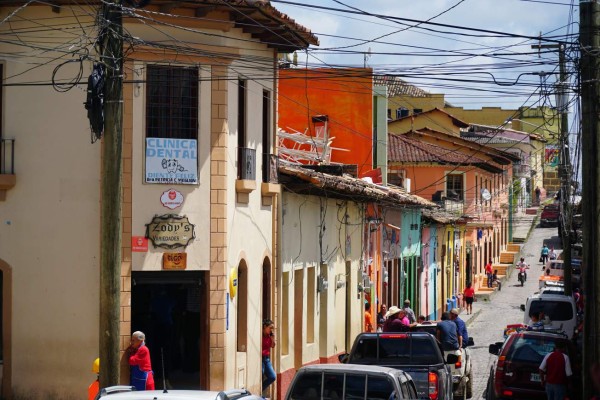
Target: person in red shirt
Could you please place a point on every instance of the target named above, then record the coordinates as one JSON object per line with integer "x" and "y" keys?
{"x": 469, "y": 295}
{"x": 268, "y": 342}
{"x": 555, "y": 372}
{"x": 141, "y": 377}
{"x": 368, "y": 318}
{"x": 489, "y": 272}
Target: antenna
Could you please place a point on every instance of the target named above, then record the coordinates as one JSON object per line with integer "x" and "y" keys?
{"x": 367, "y": 56}
{"x": 162, "y": 364}
{"x": 485, "y": 194}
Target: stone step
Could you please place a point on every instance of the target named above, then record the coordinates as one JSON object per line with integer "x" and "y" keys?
{"x": 507, "y": 257}
{"x": 514, "y": 247}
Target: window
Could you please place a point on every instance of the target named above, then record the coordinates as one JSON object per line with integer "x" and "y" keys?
{"x": 242, "y": 307}
{"x": 454, "y": 187}
{"x": 285, "y": 311}
{"x": 401, "y": 112}
{"x": 266, "y": 135}
{"x": 333, "y": 386}
{"x": 417, "y": 111}
{"x": 241, "y": 120}
{"x": 379, "y": 387}
{"x": 172, "y": 102}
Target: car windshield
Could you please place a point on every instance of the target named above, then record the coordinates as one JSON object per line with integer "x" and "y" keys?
{"x": 418, "y": 350}
{"x": 530, "y": 349}
{"x": 556, "y": 310}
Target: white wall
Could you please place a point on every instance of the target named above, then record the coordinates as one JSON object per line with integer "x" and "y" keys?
{"x": 49, "y": 223}
{"x": 302, "y": 218}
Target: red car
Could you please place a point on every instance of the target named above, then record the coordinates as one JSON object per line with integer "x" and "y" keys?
{"x": 549, "y": 216}
{"x": 516, "y": 375}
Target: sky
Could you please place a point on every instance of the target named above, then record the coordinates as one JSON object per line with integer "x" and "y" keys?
{"x": 477, "y": 52}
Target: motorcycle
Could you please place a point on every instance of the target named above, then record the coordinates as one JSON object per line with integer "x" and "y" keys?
{"x": 522, "y": 277}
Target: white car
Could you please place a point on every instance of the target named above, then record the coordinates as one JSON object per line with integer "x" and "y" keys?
{"x": 129, "y": 393}
{"x": 560, "y": 311}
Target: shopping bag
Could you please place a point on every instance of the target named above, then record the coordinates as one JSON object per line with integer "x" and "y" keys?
{"x": 541, "y": 259}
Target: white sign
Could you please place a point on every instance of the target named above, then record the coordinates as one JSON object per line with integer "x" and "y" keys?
{"x": 172, "y": 161}
{"x": 171, "y": 199}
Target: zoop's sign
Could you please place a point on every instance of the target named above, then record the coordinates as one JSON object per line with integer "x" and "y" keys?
{"x": 170, "y": 231}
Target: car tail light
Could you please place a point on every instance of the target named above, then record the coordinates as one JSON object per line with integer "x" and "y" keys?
{"x": 393, "y": 336}
{"x": 507, "y": 393}
{"x": 433, "y": 386}
{"x": 458, "y": 364}
{"x": 498, "y": 376}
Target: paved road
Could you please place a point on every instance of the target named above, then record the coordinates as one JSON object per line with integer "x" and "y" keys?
{"x": 487, "y": 325}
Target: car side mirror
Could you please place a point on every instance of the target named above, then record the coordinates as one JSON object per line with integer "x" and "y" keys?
{"x": 343, "y": 358}
{"x": 522, "y": 307}
{"x": 495, "y": 348}
{"x": 470, "y": 342}
{"x": 451, "y": 359}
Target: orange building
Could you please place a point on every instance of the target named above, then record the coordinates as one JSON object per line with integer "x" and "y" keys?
{"x": 343, "y": 98}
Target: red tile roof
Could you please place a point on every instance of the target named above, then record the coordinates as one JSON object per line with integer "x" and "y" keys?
{"x": 403, "y": 149}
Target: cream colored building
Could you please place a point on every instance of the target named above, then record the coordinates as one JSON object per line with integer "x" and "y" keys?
{"x": 201, "y": 76}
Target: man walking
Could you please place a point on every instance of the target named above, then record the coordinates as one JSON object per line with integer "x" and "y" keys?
{"x": 555, "y": 372}
{"x": 410, "y": 314}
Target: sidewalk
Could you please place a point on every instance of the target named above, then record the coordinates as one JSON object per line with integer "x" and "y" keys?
{"x": 523, "y": 222}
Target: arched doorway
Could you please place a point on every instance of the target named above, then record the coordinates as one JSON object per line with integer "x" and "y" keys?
{"x": 266, "y": 285}
{"x": 6, "y": 328}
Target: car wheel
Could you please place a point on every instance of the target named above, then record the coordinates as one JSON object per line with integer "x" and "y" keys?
{"x": 461, "y": 393}
{"x": 470, "y": 385}
{"x": 490, "y": 390}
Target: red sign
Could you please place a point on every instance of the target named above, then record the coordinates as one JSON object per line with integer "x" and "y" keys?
{"x": 139, "y": 244}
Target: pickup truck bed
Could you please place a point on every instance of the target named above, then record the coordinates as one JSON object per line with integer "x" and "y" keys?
{"x": 416, "y": 353}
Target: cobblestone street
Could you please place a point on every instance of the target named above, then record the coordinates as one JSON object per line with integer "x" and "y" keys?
{"x": 491, "y": 317}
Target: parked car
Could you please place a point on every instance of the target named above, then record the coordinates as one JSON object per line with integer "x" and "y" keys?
{"x": 559, "y": 309}
{"x": 343, "y": 381}
{"x": 549, "y": 216}
{"x": 416, "y": 353}
{"x": 129, "y": 393}
{"x": 515, "y": 374}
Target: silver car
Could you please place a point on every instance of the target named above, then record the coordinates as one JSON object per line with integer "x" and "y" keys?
{"x": 129, "y": 393}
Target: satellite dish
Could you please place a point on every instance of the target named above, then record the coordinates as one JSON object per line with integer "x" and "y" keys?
{"x": 486, "y": 195}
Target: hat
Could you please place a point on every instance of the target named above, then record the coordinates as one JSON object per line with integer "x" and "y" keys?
{"x": 407, "y": 301}
{"x": 454, "y": 311}
{"x": 393, "y": 310}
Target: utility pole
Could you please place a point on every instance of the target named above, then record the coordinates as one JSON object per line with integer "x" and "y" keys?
{"x": 564, "y": 168}
{"x": 111, "y": 54}
{"x": 589, "y": 40}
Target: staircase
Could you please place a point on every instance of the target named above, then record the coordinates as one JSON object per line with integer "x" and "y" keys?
{"x": 504, "y": 266}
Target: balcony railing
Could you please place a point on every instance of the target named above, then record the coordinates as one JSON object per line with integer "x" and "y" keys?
{"x": 7, "y": 156}
{"x": 521, "y": 170}
{"x": 246, "y": 164}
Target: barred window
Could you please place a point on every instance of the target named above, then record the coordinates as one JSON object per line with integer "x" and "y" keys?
{"x": 454, "y": 187}
{"x": 172, "y": 102}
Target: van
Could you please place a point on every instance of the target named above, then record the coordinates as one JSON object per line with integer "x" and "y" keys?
{"x": 348, "y": 381}
{"x": 559, "y": 309}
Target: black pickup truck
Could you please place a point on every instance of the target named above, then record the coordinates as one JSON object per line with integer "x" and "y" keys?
{"x": 416, "y": 353}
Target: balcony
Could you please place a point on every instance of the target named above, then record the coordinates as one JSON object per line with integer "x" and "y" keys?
{"x": 269, "y": 187}
{"x": 8, "y": 179}
{"x": 246, "y": 173}
{"x": 521, "y": 171}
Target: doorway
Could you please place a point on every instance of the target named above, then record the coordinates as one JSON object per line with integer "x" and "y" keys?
{"x": 170, "y": 307}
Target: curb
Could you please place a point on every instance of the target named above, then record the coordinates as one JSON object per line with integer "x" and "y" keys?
{"x": 473, "y": 316}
